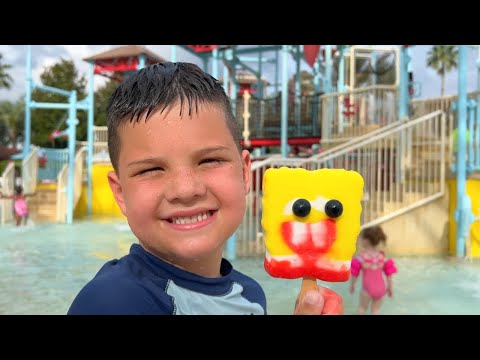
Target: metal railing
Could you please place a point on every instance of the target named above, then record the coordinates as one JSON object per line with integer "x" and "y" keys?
{"x": 7, "y": 187}
{"x": 419, "y": 107}
{"x": 346, "y": 115}
{"x": 403, "y": 168}
{"x": 100, "y": 150}
{"x": 56, "y": 159}
{"x": 62, "y": 184}
{"x": 30, "y": 171}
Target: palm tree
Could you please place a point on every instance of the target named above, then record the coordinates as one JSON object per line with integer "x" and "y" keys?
{"x": 442, "y": 58}
{"x": 5, "y": 78}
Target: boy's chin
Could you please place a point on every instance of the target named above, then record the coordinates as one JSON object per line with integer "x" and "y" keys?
{"x": 196, "y": 250}
{"x": 200, "y": 253}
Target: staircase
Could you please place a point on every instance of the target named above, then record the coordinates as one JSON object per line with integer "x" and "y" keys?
{"x": 43, "y": 204}
{"x": 403, "y": 166}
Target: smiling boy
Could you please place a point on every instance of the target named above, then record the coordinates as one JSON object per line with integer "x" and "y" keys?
{"x": 180, "y": 179}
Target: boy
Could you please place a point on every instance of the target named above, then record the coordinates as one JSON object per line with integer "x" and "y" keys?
{"x": 180, "y": 178}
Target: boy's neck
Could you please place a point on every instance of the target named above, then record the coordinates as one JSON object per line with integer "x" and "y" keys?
{"x": 208, "y": 267}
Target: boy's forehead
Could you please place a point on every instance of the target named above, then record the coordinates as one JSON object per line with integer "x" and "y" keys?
{"x": 208, "y": 119}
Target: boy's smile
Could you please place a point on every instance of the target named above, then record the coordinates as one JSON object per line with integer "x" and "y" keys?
{"x": 182, "y": 183}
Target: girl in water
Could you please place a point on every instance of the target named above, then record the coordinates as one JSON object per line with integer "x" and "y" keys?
{"x": 19, "y": 204}
{"x": 376, "y": 269}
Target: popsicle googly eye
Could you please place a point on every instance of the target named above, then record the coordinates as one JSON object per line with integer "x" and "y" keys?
{"x": 301, "y": 207}
{"x": 333, "y": 208}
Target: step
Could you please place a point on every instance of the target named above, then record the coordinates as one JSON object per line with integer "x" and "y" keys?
{"x": 43, "y": 204}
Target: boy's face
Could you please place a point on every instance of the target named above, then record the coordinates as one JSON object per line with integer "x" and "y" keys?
{"x": 181, "y": 183}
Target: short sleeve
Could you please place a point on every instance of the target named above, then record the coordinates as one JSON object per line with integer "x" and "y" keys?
{"x": 355, "y": 267}
{"x": 389, "y": 268}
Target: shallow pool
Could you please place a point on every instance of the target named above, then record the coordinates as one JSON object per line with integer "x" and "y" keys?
{"x": 42, "y": 267}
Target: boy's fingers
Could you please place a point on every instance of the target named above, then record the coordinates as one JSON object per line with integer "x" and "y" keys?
{"x": 333, "y": 302}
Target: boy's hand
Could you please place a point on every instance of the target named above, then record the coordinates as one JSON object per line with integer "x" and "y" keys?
{"x": 321, "y": 302}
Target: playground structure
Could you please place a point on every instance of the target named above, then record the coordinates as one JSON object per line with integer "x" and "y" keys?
{"x": 401, "y": 146}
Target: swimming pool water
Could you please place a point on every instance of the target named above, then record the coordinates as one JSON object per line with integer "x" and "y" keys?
{"x": 42, "y": 268}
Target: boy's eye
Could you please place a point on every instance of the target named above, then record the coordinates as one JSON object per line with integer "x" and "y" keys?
{"x": 146, "y": 171}
{"x": 211, "y": 160}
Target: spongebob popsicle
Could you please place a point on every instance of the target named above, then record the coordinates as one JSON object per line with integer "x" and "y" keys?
{"x": 311, "y": 220}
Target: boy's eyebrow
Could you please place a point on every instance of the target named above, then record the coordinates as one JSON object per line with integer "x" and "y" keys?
{"x": 210, "y": 149}
{"x": 201, "y": 152}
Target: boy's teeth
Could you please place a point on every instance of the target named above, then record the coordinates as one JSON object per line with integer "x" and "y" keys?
{"x": 190, "y": 219}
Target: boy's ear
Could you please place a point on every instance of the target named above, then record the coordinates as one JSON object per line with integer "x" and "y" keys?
{"x": 116, "y": 188}
{"x": 246, "y": 165}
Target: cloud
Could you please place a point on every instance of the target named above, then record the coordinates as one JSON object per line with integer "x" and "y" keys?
{"x": 45, "y": 55}
{"x": 429, "y": 79}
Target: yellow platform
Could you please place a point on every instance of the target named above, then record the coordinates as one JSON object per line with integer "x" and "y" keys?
{"x": 473, "y": 191}
{"x": 103, "y": 202}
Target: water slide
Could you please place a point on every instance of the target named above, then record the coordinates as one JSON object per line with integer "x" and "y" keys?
{"x": 103, "y": 202}
{"x": 473, "y": 191}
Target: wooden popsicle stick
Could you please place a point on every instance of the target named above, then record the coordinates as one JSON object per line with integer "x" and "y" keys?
{"x": 308, "y": 283}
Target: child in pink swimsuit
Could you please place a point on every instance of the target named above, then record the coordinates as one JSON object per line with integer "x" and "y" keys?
{"x": 20, "y": 205}
{"x": 373, "y": 264}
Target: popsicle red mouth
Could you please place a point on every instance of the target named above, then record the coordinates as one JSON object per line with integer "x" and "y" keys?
{"x": 308, "y": 238}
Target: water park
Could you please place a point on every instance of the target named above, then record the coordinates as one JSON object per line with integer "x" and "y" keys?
{"x": 355, "y": 107}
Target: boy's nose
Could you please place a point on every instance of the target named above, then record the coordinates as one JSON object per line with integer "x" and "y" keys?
{"x": 185, "y": 186}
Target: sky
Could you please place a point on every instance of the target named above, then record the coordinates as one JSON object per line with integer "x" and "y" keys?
{"x": 47, "y": 55}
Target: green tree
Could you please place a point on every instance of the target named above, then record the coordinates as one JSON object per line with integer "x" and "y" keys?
{"x": 102, "y": 95}
{"x": 5, "y": 78}
{"x": 62, "y": 75}
{"x": 12, "y": 117}
{"x": 442, "y": 58}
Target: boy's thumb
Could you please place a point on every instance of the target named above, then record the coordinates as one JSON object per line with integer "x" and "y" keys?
{"x": 311, "y": 304}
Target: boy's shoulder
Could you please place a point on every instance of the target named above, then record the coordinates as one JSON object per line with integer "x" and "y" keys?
{"x": 123, "y": 286}
{"x": 251, "y": 288}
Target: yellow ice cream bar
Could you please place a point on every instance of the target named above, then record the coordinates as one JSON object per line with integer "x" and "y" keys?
{"x": 311, "y": 220}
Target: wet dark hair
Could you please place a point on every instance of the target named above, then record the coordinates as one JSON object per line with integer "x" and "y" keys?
{"x": 19, "y": 189}
{"x": 158, "y": 87}
{"x": 374, "y": 235}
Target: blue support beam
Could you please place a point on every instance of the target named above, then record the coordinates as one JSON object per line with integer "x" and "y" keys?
{"x": 52, "y": 90}
{"x": 90, "y": 125}
{"x": 463, "y": 213}
{"x": 471, "y": 106}
{"x": 56, "y": 106}
{"x": 265, "y": 48}
{"x": 72, "y": 125}
{"x": 284, "y": 119}
{"x": 327, "y": 82}
{"x": 215, "y": 63}
{"x": 28, "y": 99}
{"x": 477, "y": 133}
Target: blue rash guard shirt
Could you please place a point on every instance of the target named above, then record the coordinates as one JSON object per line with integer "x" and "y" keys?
{"x": 142, "y": 284}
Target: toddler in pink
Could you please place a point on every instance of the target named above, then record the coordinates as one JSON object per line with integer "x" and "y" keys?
{"x": 376, "y": 270}
{"x": 19, "y": 204}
